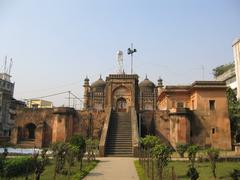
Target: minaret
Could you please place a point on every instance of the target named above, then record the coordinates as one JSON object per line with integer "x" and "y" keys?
{"x": 159, "y": 86}
{"x": 86, "y": 87}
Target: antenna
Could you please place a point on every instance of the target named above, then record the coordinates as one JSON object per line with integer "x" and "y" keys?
{"x": 120, "y": 61}
{"x": 10, "y": 66}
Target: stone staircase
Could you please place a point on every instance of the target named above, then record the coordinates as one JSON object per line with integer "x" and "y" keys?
{"x": 119, "y": 138}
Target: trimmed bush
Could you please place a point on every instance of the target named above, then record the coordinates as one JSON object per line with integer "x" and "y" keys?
{"x": 18, "y": 166}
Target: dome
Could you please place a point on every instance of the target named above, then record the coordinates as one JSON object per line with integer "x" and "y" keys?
{"x": 146, "y": 83}
{"x": 86, "y": 79}
{"x": 99, "y": 83}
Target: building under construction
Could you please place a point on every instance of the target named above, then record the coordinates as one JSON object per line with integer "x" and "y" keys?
{"x": 6, "y": 95}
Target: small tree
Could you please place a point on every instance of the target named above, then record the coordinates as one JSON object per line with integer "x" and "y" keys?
{"x": 72, "y": 151}
{"x": 59, "y": 153}
{"x": 162, "y": 153}
{"x": 79, "y": 142}
{"x": 181, "y": 149}
{"x": 192, "y": 153}
{"x": 213, "y": 155}
{"x": 41, "y": 163}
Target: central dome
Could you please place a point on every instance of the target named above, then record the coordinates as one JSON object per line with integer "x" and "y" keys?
{"x": 146, "y": 83}
{"x": 99, "y": 83}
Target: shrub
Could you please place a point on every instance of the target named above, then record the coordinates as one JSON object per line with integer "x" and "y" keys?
{"x": 91, "y": 147}
{"x": 192, "y": 173}
{"x": 18, "y": 166}
{"x": 181, "y": 149}
{"x": 213, "y": 155}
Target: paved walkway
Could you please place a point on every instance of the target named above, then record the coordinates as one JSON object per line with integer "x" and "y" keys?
{"x": 113, "y": 168}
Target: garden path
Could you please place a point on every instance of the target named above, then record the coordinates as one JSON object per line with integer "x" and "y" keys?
{"x": 114, "y": 168}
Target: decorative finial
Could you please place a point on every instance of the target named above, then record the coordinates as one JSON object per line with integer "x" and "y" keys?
{"x": 146, "y": 77}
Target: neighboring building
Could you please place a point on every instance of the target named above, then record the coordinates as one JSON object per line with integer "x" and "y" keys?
{"x": 115, "y": 108}
{"x": 39, "y": 103}
{"x": 200, "y": 114}
{"x": 230, "y": 78}
{"x": 6, "y": 94}
{"x": 236, "y": 54}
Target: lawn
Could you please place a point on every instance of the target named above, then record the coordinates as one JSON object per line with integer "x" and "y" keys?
{"x": 75, "y": 173}
{"x": 223, "y": 170}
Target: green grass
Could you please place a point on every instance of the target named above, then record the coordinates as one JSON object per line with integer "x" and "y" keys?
{"x": 140, "y": 170}
{"x": 75, "y": 173}
{"x": 223, "y": 170}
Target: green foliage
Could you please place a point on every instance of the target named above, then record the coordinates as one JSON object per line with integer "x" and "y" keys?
{"x": 192, "y": 173}
{"x": 192, "y": 152}
{"x": 222, "y": 69}
{"x": 18, "y": 166}
{"x": 181, "y": 149}
{"x": 149, "y": 141}
{"x": 234, "y": 112}
{"x": 213, "y": 155}
{"x": 162, "y": 153}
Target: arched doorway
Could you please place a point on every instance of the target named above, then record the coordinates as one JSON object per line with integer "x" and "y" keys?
{"x": 30, "y": 131}
{"x": 121, "y": 105}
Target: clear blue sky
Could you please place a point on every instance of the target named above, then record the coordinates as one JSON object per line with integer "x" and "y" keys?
{"x": 56, "y": 43}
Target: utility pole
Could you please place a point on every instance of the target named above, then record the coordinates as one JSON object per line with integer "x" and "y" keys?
{"x": 203, "y": 71}
{"x": 69, "y": 94}
{"x": 130, "y": 52}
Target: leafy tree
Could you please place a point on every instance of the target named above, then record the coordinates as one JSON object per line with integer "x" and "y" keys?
{"x": 79, "y": 142}
{"x": 213, "y": 155}
{"x": 222, "y": 69}
{"x": 234, "y": 112}
{"x": 181, "y": 149}
{"x": 162, "y": 153}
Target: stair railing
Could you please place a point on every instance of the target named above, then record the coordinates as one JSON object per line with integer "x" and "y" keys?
{"x": 104, "y": 133}
{"x": 135, "y": 136}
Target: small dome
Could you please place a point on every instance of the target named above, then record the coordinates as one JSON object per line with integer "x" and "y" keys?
{"x": 146, "y": 83}
{"x": 99, "y": 83}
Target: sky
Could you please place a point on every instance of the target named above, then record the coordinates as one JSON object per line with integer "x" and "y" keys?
{"x": 55, "y": 44}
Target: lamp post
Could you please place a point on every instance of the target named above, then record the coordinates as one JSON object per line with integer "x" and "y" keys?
{"x": 130, "y": 52}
